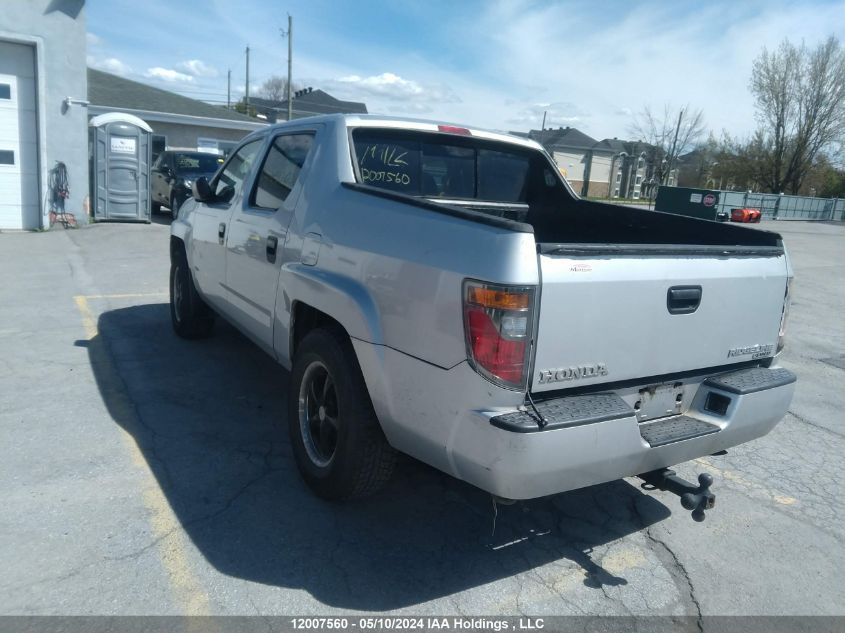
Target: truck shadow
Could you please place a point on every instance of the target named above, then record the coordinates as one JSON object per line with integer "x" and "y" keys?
{"x": 210, "y": 420}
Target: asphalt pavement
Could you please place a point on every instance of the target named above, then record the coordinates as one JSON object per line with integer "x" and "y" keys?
{"x": 144, "y": 474}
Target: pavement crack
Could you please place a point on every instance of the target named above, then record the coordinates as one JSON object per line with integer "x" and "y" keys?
{"x": 229, "y": 503}
{"x": 682, "y": 570}
{"x": 804, "y": 420}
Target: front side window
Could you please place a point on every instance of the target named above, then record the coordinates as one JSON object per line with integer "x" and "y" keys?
{"x": 280, "y": 170}
{"x": 441, "y": 166}
{"x": 5, "y": 91}
{"x": 231, "y": 179}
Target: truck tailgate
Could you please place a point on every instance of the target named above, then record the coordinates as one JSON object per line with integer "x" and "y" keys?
{"x": 612, "y": 317}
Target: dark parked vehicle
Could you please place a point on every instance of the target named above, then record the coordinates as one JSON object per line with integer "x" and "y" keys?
{"x": 173, "y": 174}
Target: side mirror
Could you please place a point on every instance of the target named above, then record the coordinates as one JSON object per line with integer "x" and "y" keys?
{"x": 201, "y": 190}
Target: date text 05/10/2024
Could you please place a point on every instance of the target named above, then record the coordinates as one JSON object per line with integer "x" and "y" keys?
{"x": 417, "y": 623}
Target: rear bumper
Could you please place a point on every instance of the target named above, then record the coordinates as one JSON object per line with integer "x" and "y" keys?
{"x": 428, "y": 412}
{"x": 588, "y": 442}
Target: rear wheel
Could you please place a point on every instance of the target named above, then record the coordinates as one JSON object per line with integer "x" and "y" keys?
{"x": 190, "y": 315}
{"x": 338, "y": 444}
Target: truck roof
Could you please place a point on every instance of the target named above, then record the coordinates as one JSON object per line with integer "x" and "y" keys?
{"x": 407, "y": 123}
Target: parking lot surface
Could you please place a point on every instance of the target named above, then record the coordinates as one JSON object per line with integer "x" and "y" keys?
{"x": 144, "y": 474}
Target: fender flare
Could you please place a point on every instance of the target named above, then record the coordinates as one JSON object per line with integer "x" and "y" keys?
{"x": 343, "y": 298}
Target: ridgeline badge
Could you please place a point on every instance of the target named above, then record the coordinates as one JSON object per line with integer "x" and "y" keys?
{"x": 755, "y": 351}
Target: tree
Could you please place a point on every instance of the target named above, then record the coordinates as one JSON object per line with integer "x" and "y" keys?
{"x": 696, "y": 169}
{"x": 240, "y": 106}
{"x": 800, "y": 100}
{"x": 824, "y": 179}
{"x": 276, "y": 89}
{"x": 673, "y": 133}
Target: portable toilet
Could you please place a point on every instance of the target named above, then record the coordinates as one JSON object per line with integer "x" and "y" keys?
{"x": 120, "y": 167}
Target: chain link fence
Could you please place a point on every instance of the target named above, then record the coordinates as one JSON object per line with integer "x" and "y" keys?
{"x": 781, "y": 207}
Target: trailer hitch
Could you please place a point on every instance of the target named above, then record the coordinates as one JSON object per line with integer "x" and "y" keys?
{"x": 694, "y": 498}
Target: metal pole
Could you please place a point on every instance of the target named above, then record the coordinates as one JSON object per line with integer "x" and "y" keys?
{"x": 246, "y": 95}
{"x": 674, "y": 143}
{"x": 228, "y": 88}
{"x": 290, "y": 64}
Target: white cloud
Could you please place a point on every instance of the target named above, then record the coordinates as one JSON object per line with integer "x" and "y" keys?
{"x": 197, "y": 68}
{"x": 168, "y": 74}
{"x": 556, "y": 114}
{"x": 92, "y": 40}
{"x": 392, "y": 87}
{"x": 109, "y": 65}
{"x": 679, "y": 53}
{"x": 411, "y": 108}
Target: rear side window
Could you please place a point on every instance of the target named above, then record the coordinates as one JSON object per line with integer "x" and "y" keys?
{"x": 437, "y": 165}
{"x": 280, "y": 170}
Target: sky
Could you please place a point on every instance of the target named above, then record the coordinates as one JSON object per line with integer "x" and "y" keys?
{"x": 498, "y": 64}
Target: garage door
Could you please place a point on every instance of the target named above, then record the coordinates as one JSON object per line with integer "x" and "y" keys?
{"x": 19, "y": 195}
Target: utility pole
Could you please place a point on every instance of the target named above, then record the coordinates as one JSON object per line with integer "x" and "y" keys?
{"x": 290, "y": 64}
{"x": 674, "y": 143}
{"x": 246, "y": 93}
{"x": 229, "y": 89}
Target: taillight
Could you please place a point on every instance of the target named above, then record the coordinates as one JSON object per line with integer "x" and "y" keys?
{"x": 784, "y": 316}
{"x": 498, "y": 322}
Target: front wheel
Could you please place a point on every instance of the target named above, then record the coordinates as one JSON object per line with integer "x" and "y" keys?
{"x": 340, "y": 449}
{"x": 174, "y": 206}
{"x": 190, "y": 315}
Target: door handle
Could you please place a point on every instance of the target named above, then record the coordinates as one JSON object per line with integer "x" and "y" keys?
{"x": 272, "y": 246}
{"x": 683, "y": 299}
{"x": 221, "y": 232}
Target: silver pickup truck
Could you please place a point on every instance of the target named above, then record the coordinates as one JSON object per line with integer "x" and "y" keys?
{"x": 441, "y": 291}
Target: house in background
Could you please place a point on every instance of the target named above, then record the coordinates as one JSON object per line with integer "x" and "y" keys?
{"x": 305, "y": 103}
{"x": 633, "y": 174}
{"x": 610, "y": 168}
{"x": 47, "y": 97}
{"x": 177, "y": 121}
{"x": 585, "y": 165}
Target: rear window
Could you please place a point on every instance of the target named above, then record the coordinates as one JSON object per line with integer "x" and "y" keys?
{"x": 441, "y": 166}
{"x": 200, "y": 163}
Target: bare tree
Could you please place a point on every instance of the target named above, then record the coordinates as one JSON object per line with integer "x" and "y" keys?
{"x": 672, "y": 133}
{"x": 275, "y": 88}
{"x": 800, "y": 99}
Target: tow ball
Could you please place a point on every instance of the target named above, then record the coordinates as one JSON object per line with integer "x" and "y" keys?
{"x": 694, "y": 498}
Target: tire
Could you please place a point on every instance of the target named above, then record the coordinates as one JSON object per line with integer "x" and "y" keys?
{"x": 191, "y": 317}
{"x": 155, "y": 207}
{"x": 338, "y": 444}
{"x": 174, "y": 206}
